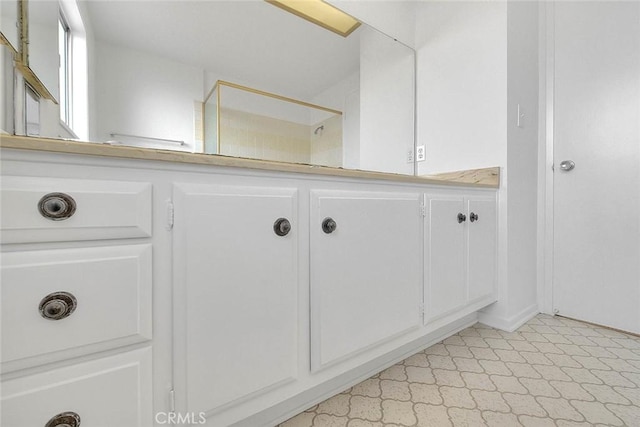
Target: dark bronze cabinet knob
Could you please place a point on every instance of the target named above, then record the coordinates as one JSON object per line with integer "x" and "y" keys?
{"x": 65, "y": 419}
{"x": 57, "y": 306}
{"x": 461, "y": 218}
{"x": 57, "y": 206}
{"x": 473, "y": 217}
{"x": 329, "y": 225}
{"x": 282, "y": 226}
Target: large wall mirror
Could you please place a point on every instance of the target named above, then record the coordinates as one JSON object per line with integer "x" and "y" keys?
{"x": 238, "y": 78}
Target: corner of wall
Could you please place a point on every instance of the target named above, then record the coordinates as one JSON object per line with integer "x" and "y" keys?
{"x": 511, "y": 323}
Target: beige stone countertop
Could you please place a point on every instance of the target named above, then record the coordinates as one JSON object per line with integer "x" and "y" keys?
{"x": 484, "y": 178}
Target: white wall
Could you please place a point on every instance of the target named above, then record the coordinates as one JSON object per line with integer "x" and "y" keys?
{"x": 461, "y": 84}
{"x": 334, "y": 96}
{"x": 518, "y": 284}
{"x": 386, "y": 103}
{"x": 396, "y": 18}
{"x": 522, "y": 155}
{"x": 462, "y": 101}
{"x": 43, "y": 43}
{"x": 9, "y": 22}
{"x": 142, "y": 94}
{"x": 345, "y": 96}
{"x": 476, "y": 62}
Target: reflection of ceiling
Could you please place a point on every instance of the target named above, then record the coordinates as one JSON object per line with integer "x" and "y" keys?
{"x": 244, "y": 41}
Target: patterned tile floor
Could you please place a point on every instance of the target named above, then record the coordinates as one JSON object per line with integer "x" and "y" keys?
{"x": 550, "y": 372}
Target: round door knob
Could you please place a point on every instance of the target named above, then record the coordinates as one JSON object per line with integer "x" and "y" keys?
{"x": 65, "y": 419}
{"x": 282, "y": 226}
{"x": 57, "y": 306}
{"x": 329, "y": 225}
{"x": 57, "y": 206}
{"x": 567, "y": 165}
{"x": 473, "y": 217}
{"x": 461, "y": 218}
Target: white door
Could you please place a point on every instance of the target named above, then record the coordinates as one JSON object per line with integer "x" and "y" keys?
{"x": 597, "y": 126}
{"x": 365, "y": 274}
{"x": 236, "y": 293}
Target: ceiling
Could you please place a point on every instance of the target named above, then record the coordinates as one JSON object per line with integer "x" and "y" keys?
{"x": 245, "y": 41}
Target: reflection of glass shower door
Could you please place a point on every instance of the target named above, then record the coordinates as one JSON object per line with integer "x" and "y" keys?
{"x": 210, "y": 123}
{"x": 244, "y": 122}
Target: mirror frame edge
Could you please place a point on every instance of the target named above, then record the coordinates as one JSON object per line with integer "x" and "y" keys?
{"x": 22, "y": 57}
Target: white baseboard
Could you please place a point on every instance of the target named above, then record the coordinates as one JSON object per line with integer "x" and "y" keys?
{"x": 512, "y": 323}
{"x": 317, "y": 394}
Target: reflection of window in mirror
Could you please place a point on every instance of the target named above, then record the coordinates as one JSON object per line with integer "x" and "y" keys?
{"x": 64, "y": 51}
{"x": 73, "y": 51}
{"x": 31, "y": 111}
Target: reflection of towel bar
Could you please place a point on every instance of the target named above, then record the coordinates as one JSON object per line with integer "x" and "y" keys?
{"x": 171, "y": 141}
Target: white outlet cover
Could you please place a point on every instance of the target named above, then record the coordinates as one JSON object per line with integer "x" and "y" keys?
{"x": 420, "y": 153}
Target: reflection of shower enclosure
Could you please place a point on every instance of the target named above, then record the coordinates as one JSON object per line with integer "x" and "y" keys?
{"x": 245, "y": 122}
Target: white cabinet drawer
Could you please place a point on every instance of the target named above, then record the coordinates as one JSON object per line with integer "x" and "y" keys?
{"x": 104, "y": 210}
{"x": 112, "y": 288}
{"x": 108, "y": 392}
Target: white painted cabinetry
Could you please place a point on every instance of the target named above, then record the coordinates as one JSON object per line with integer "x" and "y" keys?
{"x": 104, "y": 210}
{"x": 482, "y": 247}
{"x": 235, "y": 287}
{"x": 110, "y": 391}
{"x": 257, "y": 310}
{"x": 76, "y": 299}
{"x": 366, "y": 273}
{"x": 445, "y": 286}
{"x": 111, "y": 287}
{"x": 460, "y": 252}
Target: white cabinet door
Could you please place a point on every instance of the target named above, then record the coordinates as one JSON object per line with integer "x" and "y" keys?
{"x": 366, "y": 274}
{"x": 481, "y": 247}
{"x": 235, "y": 297}
{"x": 445, "y": 289}
{"x": 112, "y": 391}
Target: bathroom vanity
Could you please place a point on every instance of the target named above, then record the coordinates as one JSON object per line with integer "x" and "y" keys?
{"x": 138, "y": 283}
{"x": 299, "y": 256}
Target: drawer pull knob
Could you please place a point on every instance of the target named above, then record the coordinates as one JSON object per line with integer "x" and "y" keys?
{"x": 329, "y": 225}
{"x": 65, "y": 419}
{"x": 461, "y": 218}
{"x": 282, "y": 226}
{"x": 58, "y": 305}
{"x": 473, "y": 217}
{"x": 57, "y": 206}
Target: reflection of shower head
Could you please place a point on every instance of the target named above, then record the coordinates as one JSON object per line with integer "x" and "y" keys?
{"x": 318, "y": 130}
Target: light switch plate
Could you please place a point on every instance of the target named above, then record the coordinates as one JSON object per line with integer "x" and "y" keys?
{"x": 420, "y": 153}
